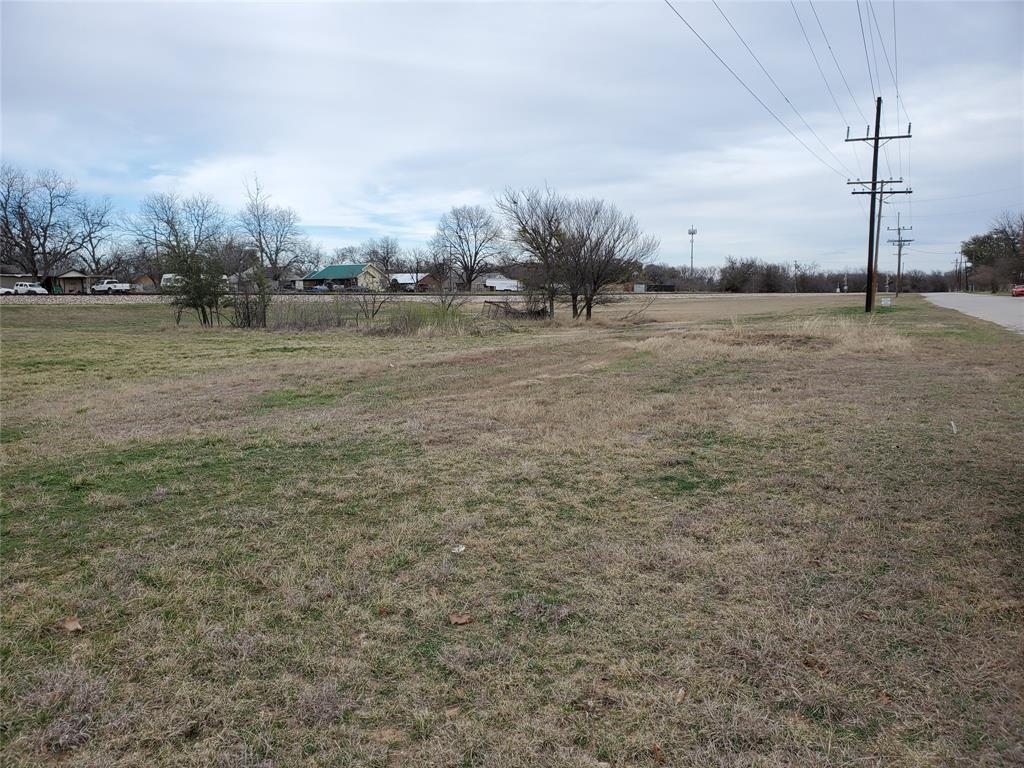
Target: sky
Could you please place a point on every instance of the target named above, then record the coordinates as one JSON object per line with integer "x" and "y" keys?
{"x": 372, "y": 119}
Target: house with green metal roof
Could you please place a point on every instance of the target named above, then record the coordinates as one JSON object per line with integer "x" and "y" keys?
{"x": 366, "y": 276}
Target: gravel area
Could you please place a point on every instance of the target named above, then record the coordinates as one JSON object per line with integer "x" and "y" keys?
{"x": 132, "y": 298}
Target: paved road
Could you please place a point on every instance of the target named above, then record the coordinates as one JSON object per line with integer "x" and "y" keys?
{"x": 1004, "y": 310}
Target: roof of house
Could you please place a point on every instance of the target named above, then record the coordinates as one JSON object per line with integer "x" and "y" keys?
{"x": 408, "y": 278}
{"x": 338, "y": 272}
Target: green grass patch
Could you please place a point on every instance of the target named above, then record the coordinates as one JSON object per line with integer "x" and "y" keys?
{"x": 292, "y": 398}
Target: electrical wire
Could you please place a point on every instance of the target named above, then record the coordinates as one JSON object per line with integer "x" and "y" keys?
{"x": 835, "y": 61}
{"x": 885, "y": 53}
{"x": 867, "y": 60}
{"x": 899, "y": 101}
{"x": 972, "y": 194}
{"x": 965, "y": 213}
{"x": 930, "y": 253}
{"x": 817, "y": 63}
{"x": 779, "y": 89}
{"x": 749, "y": 90}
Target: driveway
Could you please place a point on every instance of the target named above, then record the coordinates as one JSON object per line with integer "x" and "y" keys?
{"x": 1004, "y": 310}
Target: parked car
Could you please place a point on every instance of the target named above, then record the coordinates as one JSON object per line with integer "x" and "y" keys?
{"x": 1018, "y": 290}
{"x": 111, "y": 286}
{"x": 24, "y": 289}
{"x": 4, "y": 291}
{"x": 170, "y": 280}
{"x": 317, "y": 289}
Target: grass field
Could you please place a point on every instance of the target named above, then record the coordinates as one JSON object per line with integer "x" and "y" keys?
{"x": 746, "y": 532}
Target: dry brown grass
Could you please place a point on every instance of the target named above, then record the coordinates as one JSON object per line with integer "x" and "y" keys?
{"x": 746, "y": 542}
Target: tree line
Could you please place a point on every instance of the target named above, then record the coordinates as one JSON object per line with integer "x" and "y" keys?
{"x": 48, "y": 227}
{"x": 752, "y": 275}
{"x": 567, "y": 251}
{"x": 570, "y": 250}
{"x": 996, "y": 257}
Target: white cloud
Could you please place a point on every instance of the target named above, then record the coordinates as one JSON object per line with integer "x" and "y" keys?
{"x": 377, "y": 117}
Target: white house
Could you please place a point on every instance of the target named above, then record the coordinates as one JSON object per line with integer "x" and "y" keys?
{"x": 502, "y": 283}
{"x": 406, "y": 281}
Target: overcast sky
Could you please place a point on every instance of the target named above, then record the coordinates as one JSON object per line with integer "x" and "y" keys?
{"x": 372, "y": 119}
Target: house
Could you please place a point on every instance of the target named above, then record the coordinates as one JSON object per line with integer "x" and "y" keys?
{"x": 349, "y": 276}
{"x": 412, "y": 281}
{"x": 144, "y": 283}
{"x": 74, "y": 281}
{"x": 289, "y": 281}
{"x": 496, "y": 281}
{"x": 502, "y": 284}
{"x": 645, "y": 288}
{"x": 11, "y": 274}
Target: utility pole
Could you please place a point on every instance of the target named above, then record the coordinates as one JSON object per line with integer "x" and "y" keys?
{"x": 876, "y": 229}
{"x": 960, "y": 267}
{"x": 899, "y": 241}
{"x": 875, "y": 192}
{"x": 691, "y": 232}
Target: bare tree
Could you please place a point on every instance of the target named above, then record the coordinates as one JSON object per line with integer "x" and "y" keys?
{"x": 601, "y": 247}
{"x": 190, "y": 233}
{"x": 443, "y": 270}
{"x": 384, "y": 253}
{"x": 472, "y": 239}
{"x": 98, "y": 255}
{"x": 626, "y": 250}
{"x": 237, "y": 258}
{"x": 272, "y": 231}
{"x": 1008, "y": 227}
{"x": 536, "y": 225}
{"x": 40, "y": 231}
{"x": 349, "y": 254}
{"x": 139, "y": 258}
{"x": 310, "y": 257}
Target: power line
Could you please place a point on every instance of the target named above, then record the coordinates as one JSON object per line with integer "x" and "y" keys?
{"x": 965, "y": 213}
{"x": 930, "y": 253}
{"x": 899, "y": 98}
{"x": 876, "y": 94}
{"x": 779, "y": 89}
{"x": 817, "y": 63}
{"x": 895, "y": 74}
{"x": 867, "y": 60}
{"x": 885, "y": 53}
{"x": 972, "y": 194}
{"x": 842, "y": 75}
{"x": 749, "y": 90}
{"x": 878, "y": 81}
{"x": 839, "y": 69}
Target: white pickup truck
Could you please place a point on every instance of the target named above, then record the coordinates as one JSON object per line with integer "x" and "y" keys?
{"x": 111, "y": 286}
{"x": 26, "y": 289}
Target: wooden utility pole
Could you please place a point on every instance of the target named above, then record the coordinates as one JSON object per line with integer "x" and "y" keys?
{"x": 899, "y": 242}
{"x": 876, "y": 229}
{"x": 875, "y": 191}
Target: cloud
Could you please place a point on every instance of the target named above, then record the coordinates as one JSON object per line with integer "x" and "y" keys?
{"x": 375, "y": 118}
